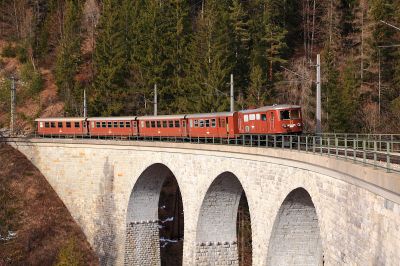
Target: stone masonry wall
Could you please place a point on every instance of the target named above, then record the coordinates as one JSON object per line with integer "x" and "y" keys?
{"x": 142, "y": 244}
{"x": 296, "y": 237}
{"x": 359, "y": 224}
{"x": 217, "y": 253}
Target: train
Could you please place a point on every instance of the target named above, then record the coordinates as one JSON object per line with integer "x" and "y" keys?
{"x": 267, "y": 120}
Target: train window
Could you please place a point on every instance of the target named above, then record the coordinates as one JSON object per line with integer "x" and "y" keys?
{"x": 121, "y": 124}
{"x": 285, "y": 115}
{"x": 207, "y": 123}
{"x": 127, "y": 124}
{"x": 196, "y": 123}
{"x": 47, "y": 124}
{"x": 148, "y": 124}
{"x": 201, "y": 123}
{"x": 252, "y": 117}
{"x": 97, "y": 124}
{"x": 213, "y": 123}
{"x": 134, "y": 124}
{"x": 191, "y": 123}
{"x": 264, "y": 117}
{"x": 103, "y": 124}
{"x": 153, "y": 124}
{"x": 164, "y": 124}
{"x": 109, "y": 124}
{"x": 222, "y": 122}
{"x": 68, "y": 124}
{"x": 246, "y": 118}
{"x": 142, "y": 123}
{"x": 177, "y": 123}
{"x": 115, "y": 124}
{"x": 60, "y": 124}
{"x": 257, "y": 116}
{"x": 77, "y": 124}
{"x": 53, "y": 124}
{"x": 171, "y": 123}
{"x": 294, "y": 114}
{"x": 84, "y": 124}
{"x": 41, "y": 124}
{"x": 158, "y": 124}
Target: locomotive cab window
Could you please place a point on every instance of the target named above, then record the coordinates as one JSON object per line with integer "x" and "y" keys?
{"x": 294, "y": 114}
{"x": 77, "y": 124}
{"x": 68, "y": 124}
{"x": 60, "y": 124}
{"x": 246, "y": 118}
{"x": 264, "y": 117}
{"x": 285, "y": 115}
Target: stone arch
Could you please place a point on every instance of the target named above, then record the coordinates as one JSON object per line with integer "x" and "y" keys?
{"x": 216, "y": 236}
{"x": 296, "y": 237}
{"x": 142, "y": 241}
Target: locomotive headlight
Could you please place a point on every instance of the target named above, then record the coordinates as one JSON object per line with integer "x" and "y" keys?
{"x": 284, "y": 125}
{"x": 299, "y": 124}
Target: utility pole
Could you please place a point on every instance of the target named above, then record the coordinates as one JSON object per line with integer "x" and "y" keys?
{"x": 13, "y": 101}
{"x": 84, "y": 104}
{"x": 155, "y": 99}
{"x": 318, "y": 111}
{"x": 232, "y": 95}
{"x": 379, "y": 81}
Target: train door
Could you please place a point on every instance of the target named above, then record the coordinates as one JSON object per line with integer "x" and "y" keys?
{"x": 184, "y": 130}
{"x": 222, "y": 127}
{"x": 272, "y": 122}
{"x": 134, "y": 128}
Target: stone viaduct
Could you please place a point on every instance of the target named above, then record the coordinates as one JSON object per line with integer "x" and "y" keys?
{"x": 305, "y": 209}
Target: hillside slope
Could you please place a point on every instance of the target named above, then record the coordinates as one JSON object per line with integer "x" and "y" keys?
{"x": 35, "y": 226}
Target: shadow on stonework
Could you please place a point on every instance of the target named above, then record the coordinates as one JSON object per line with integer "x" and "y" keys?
{"x": 104, "y": 239}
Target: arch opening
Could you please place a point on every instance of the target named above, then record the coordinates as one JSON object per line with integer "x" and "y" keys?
{"x": 154, "y": 223}
{"x": 223, "y": 220}
{"x": 295, "y": 237}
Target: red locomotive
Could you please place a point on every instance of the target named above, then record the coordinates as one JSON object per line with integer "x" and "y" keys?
{"x": 276, "y": 119}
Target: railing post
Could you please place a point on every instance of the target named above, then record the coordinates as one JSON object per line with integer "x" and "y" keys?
{"x": 388, "y": 157}
{"x": 329, "y": 146}
{"x": 236, "y": 142}
{"x": 283, "y": 142}
{"x": 243, "y": 140}
{"x": 345, "y": 147}
{"x": 258, "y": 139}
{"x": 251, "y": 140}
{"x": 290, "y": 142}
{"x": 337, "y": 147}
{"x": 298, "y": 143}
{"x": 364, "y": 152}
{"x": 274, "y": 141}
{"x": 313, "y": 144}
{"x": 320, "y": 145}
{"x": 375, "y": 155}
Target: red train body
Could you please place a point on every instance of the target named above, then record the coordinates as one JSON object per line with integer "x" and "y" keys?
{"x": 277, "y": 119}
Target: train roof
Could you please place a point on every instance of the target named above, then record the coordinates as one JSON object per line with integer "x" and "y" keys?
{"x": 112, "y": 118}
{"x": 204, "y": 115}
{"x": 59, "y": 119}
{"x": 160, "y": 117}
{"x": 271, "y": 107}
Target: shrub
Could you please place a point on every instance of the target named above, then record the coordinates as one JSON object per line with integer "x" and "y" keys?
{"x": 33, "y": 79}
{"x": 22, "y": 54}
{"x": 70, "y": 255}
{"x": 9, "y": 51}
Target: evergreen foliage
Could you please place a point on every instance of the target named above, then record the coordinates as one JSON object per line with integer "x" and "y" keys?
{"x": 69, "y": 59}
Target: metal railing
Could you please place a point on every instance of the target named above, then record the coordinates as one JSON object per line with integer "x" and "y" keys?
{"x": 378, "y": 153}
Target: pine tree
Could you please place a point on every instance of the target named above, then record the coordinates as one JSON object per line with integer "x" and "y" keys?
{"x": 256, "y": 92}
{"x": 69, "y": 59}
{"x": 110, "y": 61}
{"x": 241, "y": 37}
{"x": 211, "y": 58}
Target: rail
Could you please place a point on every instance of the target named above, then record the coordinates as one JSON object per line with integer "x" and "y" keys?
{"x": 380, "y": 154}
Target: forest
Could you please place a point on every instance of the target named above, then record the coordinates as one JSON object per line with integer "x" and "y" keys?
{"x": 117, "y": 50}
